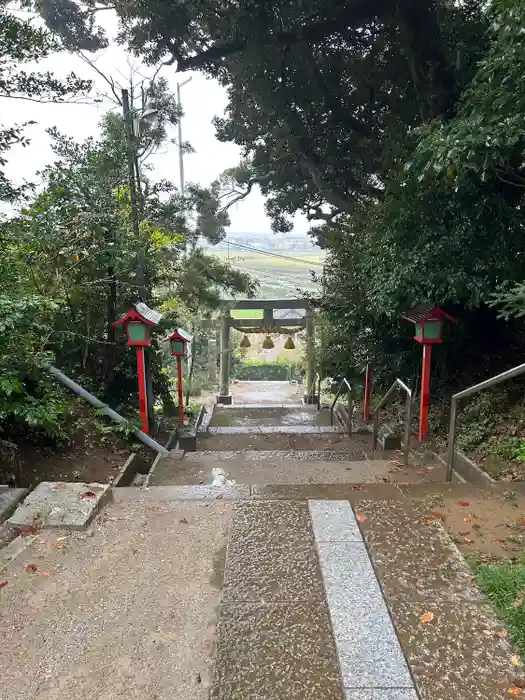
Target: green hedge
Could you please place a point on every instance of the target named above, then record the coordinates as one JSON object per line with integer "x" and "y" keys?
{"x": 253, "y": 370}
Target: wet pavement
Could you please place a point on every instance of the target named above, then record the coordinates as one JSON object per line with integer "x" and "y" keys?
{"x": 310, "y": 610}
{"x": 269, "y": 393}
{"x": 125, "y": 610}
{"x": 259, "y": 440}
{"x": 275, "y": 416}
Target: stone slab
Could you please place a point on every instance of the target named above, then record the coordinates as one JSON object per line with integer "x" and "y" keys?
{"x": 367, "y": 645}
{"x": 459, "y": 654}
{"x": 273, "y": 429}
{"x": 14, "y": 549}
{"x": 381, "y": 694}
{"x": 272, "y": 652}
{"x": 334, "y": 521}
{"x": 9, "y": 499}
{"x": 399, "y": 532}
{"x": 154, "y": 494}
{"x": 271, "y": 555}
{"x": 60, "y": 505}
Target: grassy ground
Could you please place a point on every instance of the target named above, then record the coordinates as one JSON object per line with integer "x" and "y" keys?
{"x": 504, "y": 586}
{"x": 247, "y": 313}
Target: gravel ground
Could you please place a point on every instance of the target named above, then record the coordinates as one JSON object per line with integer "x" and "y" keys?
{"x": 126, "y": 610}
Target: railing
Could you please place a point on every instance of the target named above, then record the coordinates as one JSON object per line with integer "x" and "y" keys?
{"x": 398, "y": 384}
{"x": 344, "y": 383}
{"x": 487, "y": 384}
{"x": 311, "y": 390}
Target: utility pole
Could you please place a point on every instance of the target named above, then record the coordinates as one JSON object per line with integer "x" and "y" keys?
{"x": 179, "y": 128}
{"x": 130, "y": 153}
{"x": 140, "y": 271}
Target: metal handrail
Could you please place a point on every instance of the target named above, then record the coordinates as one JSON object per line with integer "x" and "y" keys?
{"x": 487, "y": 384}
{"x": 398, "y": 384}
{"x": 344, "y": 383}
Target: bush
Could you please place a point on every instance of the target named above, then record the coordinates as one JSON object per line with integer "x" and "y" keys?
{"x": 258, "y": 370}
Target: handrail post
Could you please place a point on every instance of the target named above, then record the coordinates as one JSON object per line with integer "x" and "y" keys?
{"x": 376, "y": 429}
{"x": 350, "y": 410}
{"x": 452, "y": 438}
{"x": 408, "y": 426}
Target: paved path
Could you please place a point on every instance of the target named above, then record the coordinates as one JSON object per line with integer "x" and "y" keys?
{"x": 128, "y": 610}
{"x": 303, "y": 615}
{"x": 266, "y": 393}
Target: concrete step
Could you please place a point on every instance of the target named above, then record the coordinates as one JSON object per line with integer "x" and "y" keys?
{"x": 270, "y": 467}
{"x": 300, "y": 438}
{"x": 260, "y": 415}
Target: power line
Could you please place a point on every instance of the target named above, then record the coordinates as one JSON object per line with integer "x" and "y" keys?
{"x": 272, "y": 255}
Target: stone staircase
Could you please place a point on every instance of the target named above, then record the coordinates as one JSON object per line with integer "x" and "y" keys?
{"x": 286, "y": 445}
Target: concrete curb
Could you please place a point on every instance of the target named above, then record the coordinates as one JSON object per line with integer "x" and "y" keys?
{"x": 135, "y": 464}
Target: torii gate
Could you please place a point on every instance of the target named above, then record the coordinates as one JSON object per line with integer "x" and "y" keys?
{"x": 268, "y": 321}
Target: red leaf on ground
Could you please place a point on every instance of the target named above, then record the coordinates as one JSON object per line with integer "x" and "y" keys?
{"x": 3, "y": 584}
{"x": 155, "y": 508}
{"x": 60, "y": 486}
{"x": 31, "y": 568}
{"x": 28, "y": 531}
{"x": 360, "y": 517}
{"x": 43, "y": 573}
{"x": 463, "y": 503}
{"x": 357, "y": 487}
{"x": 499, "y": 539}
{"x": 436, "y": 516}
{"x": 87, "y": 495}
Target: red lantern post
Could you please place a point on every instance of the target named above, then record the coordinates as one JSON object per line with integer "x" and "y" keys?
{"x": 139, "y": 323}
{"x": 428, "y": 320}
{"x": 179, "y": 341}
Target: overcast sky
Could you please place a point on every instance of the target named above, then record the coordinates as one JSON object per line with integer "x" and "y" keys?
{"x": 202, "y": 99}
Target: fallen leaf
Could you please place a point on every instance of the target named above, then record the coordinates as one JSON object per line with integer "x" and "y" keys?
{"x": 87, "y": 495}
{"x": 60, "y": 545}
{"x": 518, "y": 682}
{"x": 462, "y": 503}
{"x": 468, "y": 541}
{"x": 357, "y": 487}
{"x": 501, "y": 633}
{"x": 3, "y": 584}
{"x": 468, "y": 518}
{"x": 43, "y": 573}
{"x": 31, "y": 568}
{"x": 514, "y": 690}
{"x": 436, "y": 516}
{"x": 28, "y": 531}
{"x": 184, "y": 521}
{"x": 421, "y": 471}
{"x": 155, "y": 508}
{"x": 61, "y": 539}
{"x": 360, "y": 517}
{"x": 464, "y": 534}
{"x": 426, "y": 617}
{"x": 475, "y": 526}
{"x": 515, "y": 661}
{"x": 519, "y": 600}
{"x": 60, "y": 486}
{"x": 499, "y": 539}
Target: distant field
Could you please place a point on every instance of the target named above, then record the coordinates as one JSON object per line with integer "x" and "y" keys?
{"x": 278, "y": 277}
{"x": 300, "y": 261}
{"x": 247, "y": 313}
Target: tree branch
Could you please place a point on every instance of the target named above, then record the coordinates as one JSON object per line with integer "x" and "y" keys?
{"x": 359, "y": 11}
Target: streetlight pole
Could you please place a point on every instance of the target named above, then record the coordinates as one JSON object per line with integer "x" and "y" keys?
{"x": 179, "y": 127}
